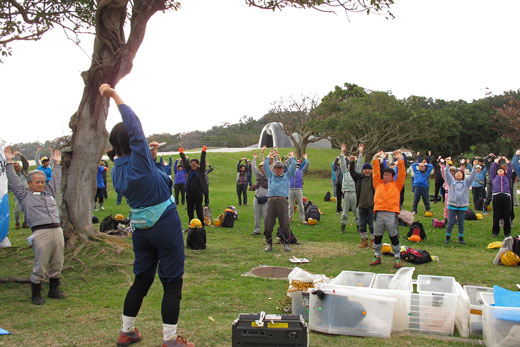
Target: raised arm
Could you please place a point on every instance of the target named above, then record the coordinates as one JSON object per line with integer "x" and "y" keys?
{"x": 54, "y": 185}
{"x": 25, "y": 162}
{"x": 15, "y": 184}
{"x": 253, "y": 165}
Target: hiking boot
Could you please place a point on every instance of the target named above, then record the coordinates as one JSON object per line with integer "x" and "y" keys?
{"x": 128, "y": 337}
{"x": 54, "y": 290}
{"x": 25, "y": 225}
{"x": 363, "y": 244}
{"x": 343, "y": 227}
{"x": 304, "y": 222}
{"x": 17, "y": 226}
{"x": 36, "y": 289}
{"x": 179, "y": 341}
{"x": 447, "y": 239}
{"x": 286, "y": 247}
{"x": 397, "y": 263}
{"x": 377, "y": 261}
{"x": 461, "y": 240}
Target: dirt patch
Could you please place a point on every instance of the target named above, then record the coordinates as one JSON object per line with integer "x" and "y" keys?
{"x": 273, "y": 272}
{"x": 313, "y": 250}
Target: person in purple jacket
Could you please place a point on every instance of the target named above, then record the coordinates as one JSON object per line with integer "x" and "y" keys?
{"x": 502, "y": 202}
{"x": 296, "y": 189}
{"x": 157, "y": 238}
{"x": 179, "y": 181}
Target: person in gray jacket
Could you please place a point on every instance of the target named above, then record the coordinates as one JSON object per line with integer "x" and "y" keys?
{"x": 348, "y": 187}
{"x": 39, "y": 204}
{"x": 458, "y": 200}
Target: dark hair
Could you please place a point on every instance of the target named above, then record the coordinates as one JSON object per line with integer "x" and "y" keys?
{"x": 194, "y": 160}
{"x": 118, "y": 138}
{"x": 391, "y": 171}
{"x": 463, "y": 174}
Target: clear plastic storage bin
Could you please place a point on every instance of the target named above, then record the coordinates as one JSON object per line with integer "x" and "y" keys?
{"x": 383, "y": 281}
{"x": 500, "y": 325}
{"x": 351, "y": 313}
{"x": 475, "y": 312}
{"x": 300, "y": 303}
{"x": 462, "y": 313}
{"x": 354, "y": 279}
{"x": 436, "y": 284}
{"x": 432, "y": 313}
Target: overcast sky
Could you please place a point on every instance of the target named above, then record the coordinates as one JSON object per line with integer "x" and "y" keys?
{"x": 215, "y": 61}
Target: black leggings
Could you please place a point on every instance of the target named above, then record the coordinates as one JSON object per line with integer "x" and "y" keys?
{"x": 171, "y": 301}
{"x": 242, "y": 191}
{"x": 502, "y": 210}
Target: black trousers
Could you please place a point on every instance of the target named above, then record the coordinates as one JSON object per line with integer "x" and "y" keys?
{"x": 194, "y": 203}
{"x": 339, "y": 195}
{"x": 439, "y": 181}
{"x": 502, "y": 206}
{"x": 242, "y": 191}
{"x": 179, "y": 187}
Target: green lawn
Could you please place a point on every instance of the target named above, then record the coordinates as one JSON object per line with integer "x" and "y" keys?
{"x": 214, "y": 290}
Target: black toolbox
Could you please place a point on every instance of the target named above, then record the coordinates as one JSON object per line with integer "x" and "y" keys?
{"x": 260, "y": 329}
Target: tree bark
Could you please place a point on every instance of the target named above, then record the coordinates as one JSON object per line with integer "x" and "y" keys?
{"x": 111, "y": 60}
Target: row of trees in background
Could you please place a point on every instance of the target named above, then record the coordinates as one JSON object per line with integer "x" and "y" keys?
{"x": 352, "y": 115}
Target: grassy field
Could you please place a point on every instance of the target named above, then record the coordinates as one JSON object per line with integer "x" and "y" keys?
{"x": 215, "y": 291}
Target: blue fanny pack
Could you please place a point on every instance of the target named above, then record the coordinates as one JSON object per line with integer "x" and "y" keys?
{"x": 146, "y": 217}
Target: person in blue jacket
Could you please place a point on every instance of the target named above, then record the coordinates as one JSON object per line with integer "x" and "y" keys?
{"x": 421, "y": 184}
{"x": 157, "y": 238}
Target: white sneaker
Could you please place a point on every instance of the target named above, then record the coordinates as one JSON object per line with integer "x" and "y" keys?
{"x": 102, "y": 208}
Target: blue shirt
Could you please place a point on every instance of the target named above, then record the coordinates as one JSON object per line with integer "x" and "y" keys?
{"x": 100, "y": 181}
{"x": 421, "y": 178}
{"x": 47, "y": 171}
{"x": 279, "y": 185}
{"x": 136, "y": 176}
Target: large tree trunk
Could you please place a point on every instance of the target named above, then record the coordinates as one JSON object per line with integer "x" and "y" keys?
{"x": 111, "y": 60}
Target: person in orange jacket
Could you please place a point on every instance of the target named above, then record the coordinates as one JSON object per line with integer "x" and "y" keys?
{"x": 386, "y": 205}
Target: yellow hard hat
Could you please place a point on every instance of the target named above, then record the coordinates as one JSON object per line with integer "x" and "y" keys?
{"x": 333, "y": 198}
{"x": 312, "y": 221}
{"x": 119, "y": 216}
{"x": 207, "y": 221}
{"x": 386, "y": 248}
{"x": 428, "y": 213}
{"x": 217, "y": 222}
{"x": 496, "y": 244}
{"x": 195, "y": 223}
{"x": 479, "y": 216}
{"x": 509, "y": 259}
{"x": 415, "y": 238}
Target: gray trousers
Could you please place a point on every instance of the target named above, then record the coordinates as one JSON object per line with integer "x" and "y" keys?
{"x": 276, "y": 208}
{"x": 18, "y": 211}
{"x": 48, "y": 247}
{"x": 259, "y": 210}
{"x": 296, "y": 194}
{"x": 349, "y": 203}
{"x": 386, "y": 220}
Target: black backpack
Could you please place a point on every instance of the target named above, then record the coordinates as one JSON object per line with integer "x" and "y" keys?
{"x": 196, "y": 238}
{"x": 327, "y": 197}
{"x": 416, "y": 256}
{"x": 108, "y": 223}
{"x": 470, "y": 215}
{"x": 292, "y": 238}
{"x": 516, "y": 245}
{"x": 311, "y": 211}
{"x": 417, "y": 229}
{"x": 229, "y": 219}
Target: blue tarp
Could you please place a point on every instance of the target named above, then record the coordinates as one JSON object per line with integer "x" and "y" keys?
{"x": 4, "y": 332}
{"x": 509, "y": 299}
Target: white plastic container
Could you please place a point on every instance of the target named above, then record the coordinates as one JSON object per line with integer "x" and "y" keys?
{"x": 401, "y": 309}
{"x": 462, "y": 312}
{"x": 436, "y": 284}
{"x": 345, "y": 312}
{"x": 354, "y": 279}
{"x": 475, "y": 316}
{"x": 382, "y": 281}
{"x": 432, "y": 313}
{"x": 497, "y": 329}
{"x": 300, "y": 303}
